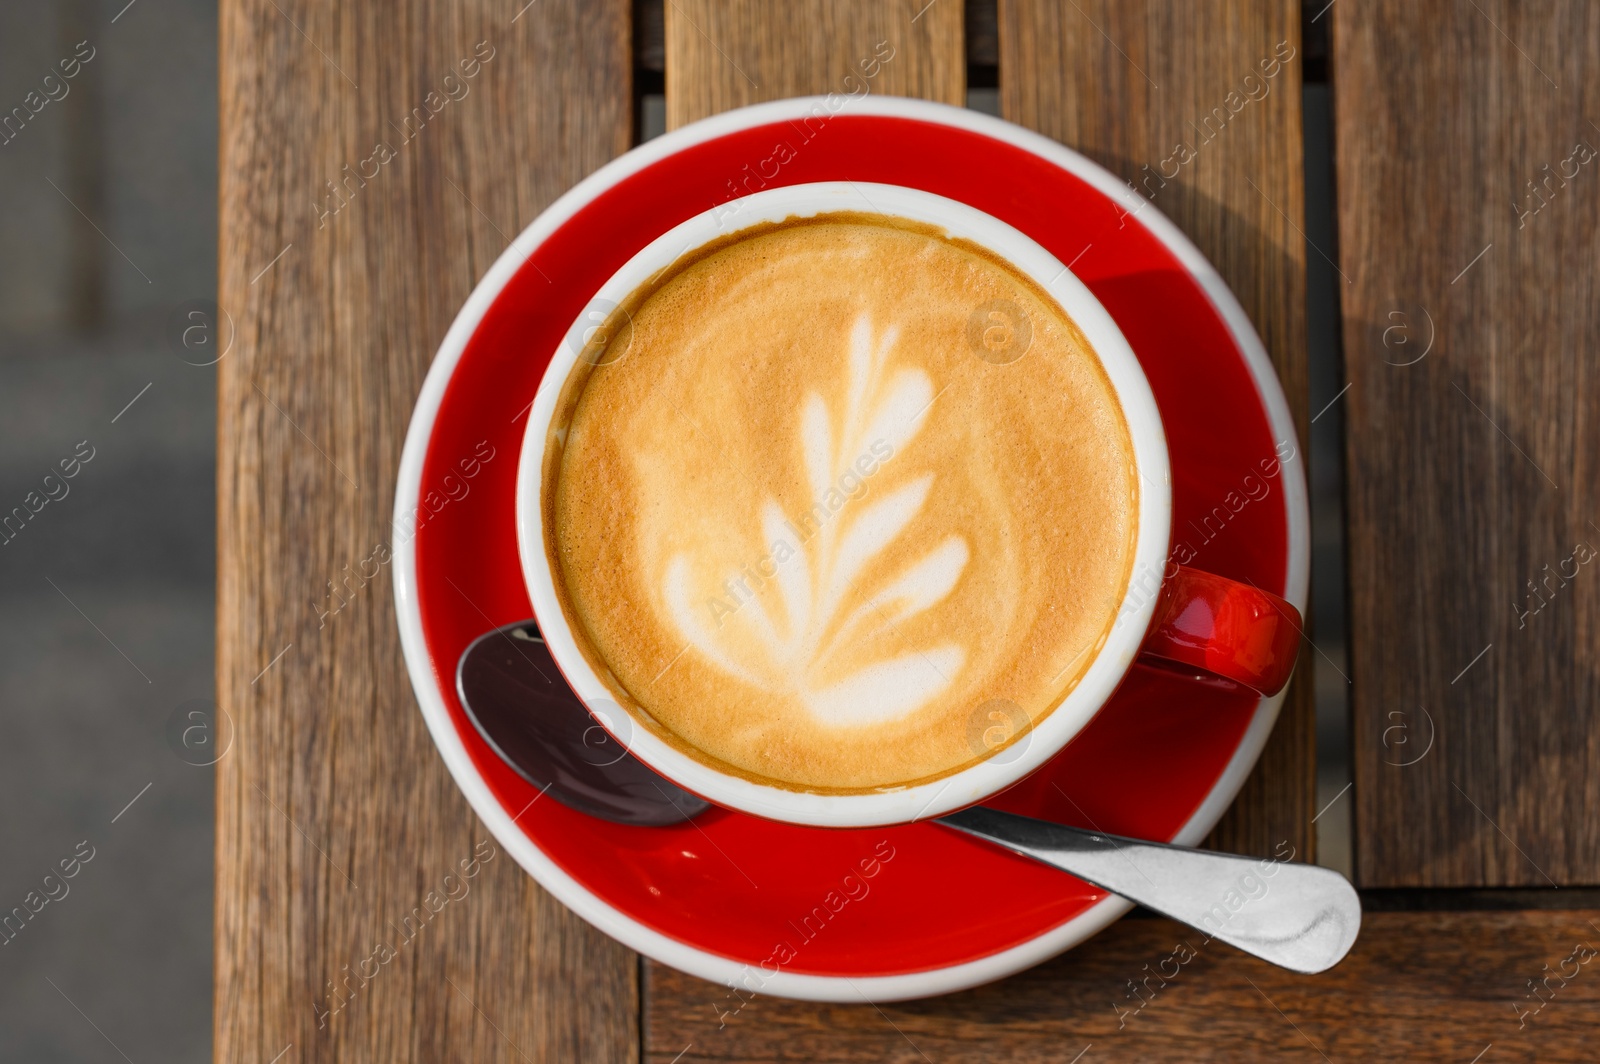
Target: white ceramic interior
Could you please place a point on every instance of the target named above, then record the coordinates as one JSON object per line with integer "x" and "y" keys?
{"x": 1097, "y": 684}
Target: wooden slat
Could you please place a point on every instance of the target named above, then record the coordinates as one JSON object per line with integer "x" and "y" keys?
{"x": 1472, "y": 471}
{"x": 718, "y": 57}
{"x": 1128, "y": 81}
{"x": 335, "y": 816}
{"x": 723, "y": 54}
{"x": 1418, "y": 986}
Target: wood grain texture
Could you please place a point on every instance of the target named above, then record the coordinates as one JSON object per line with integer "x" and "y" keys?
{"x": 1417, "y": 987}
{"x": 1469, "y": 217}
{"x": 1127, "y": 82}
{"x": 722, "y": 55}
{"x": 336, "y": 819}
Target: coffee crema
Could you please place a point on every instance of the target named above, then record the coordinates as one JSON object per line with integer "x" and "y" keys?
{"x": 828, "y": 493}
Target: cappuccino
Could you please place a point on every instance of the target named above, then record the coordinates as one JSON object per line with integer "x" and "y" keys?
{"x": 825, "y": 492}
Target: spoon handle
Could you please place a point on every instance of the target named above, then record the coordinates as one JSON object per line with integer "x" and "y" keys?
{"x": 1297, "y": 916}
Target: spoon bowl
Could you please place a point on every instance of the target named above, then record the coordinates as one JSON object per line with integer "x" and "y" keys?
{"x": 517, "y": 700}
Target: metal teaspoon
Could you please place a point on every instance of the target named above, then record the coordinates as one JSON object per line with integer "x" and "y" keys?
{"x": 1298, "y": 916}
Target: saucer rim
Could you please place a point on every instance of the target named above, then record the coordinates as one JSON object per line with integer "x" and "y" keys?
{"x": 426, "y": 681}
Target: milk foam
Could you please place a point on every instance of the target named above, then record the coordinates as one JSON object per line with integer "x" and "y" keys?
{"x": 806, "y": 530}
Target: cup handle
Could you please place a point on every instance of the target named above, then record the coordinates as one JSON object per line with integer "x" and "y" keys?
{"x": 1225, "y": 628}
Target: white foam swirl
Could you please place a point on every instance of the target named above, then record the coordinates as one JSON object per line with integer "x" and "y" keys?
{"x": 815, "y": 574}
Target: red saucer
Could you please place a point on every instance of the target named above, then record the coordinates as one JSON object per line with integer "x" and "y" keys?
{"x": 894, "y": 912}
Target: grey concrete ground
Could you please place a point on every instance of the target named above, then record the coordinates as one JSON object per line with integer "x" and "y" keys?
{"x": 108, "y": 222}
{"x": 107, "y": 219}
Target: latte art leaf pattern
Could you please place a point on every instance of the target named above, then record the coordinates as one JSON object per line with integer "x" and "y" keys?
{"x": 790, "y": 640}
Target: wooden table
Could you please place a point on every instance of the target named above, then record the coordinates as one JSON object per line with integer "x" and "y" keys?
{"x": 1468, "y": 221}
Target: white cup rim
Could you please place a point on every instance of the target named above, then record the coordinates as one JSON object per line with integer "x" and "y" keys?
{"x": 1099, "y": 681}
